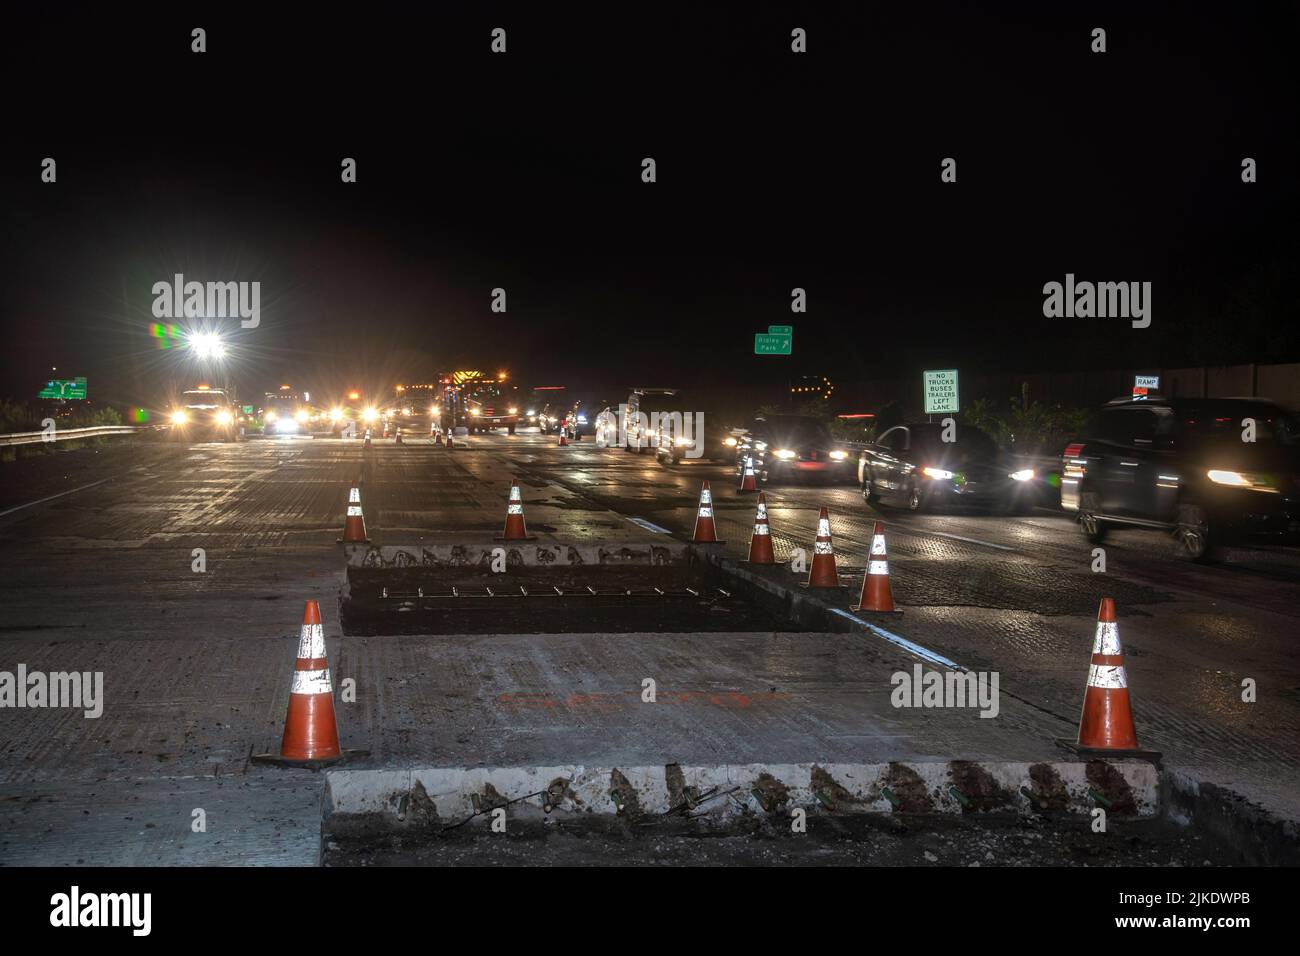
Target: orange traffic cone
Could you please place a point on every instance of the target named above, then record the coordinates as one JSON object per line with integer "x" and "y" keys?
{"x": 760, "y": 544}
{"x": 876, "y": 593}
{"x": 310, "y": 730}
{"x": 354, "y": 526}
{"x": 823, "y": 573}
{"x": 1107, "y": 719}
{"x": 398, "y": 439}
{"x": 563, "y": 440}
{"x": 451, "y": 441}
{"x": 437, "y": 438}
{"x": 366, "y": 443}
{"x": 747, "y": 482}
{"x": 515, "y": 530}
{"x": 706, "y": 531}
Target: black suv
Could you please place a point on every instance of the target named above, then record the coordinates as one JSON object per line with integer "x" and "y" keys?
{"x": 1188, "y": 466}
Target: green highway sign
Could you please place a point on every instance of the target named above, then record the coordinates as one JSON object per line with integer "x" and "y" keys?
{"x": 941, "y": 392}
{"x": 72, "y": 389}
{"x": 771, "y": 344}
{"x": 778, "y": 340}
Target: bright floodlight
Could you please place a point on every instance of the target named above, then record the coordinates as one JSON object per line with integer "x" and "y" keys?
{"x": 207, "y": 345}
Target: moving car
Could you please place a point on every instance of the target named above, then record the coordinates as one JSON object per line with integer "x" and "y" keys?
{"x": 205, "y": 413}
{"x": 912, "y": 466}
{"x": 784, "y": 447}
{"x": 1213, "y": 471}
{"x": 285, "y": 412}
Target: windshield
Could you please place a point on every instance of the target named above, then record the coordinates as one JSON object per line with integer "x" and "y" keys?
{"x": 1225, "y": 423}
{"x": 793, "y": 428}
{"x": 971, "y": 444}
{"x": 204, "y": 398}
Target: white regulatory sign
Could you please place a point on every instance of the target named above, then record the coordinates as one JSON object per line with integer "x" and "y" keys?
{"x": 941, "y": 392}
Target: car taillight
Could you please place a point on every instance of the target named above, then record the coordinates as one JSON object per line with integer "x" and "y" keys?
{"x": 1075, "y": 464}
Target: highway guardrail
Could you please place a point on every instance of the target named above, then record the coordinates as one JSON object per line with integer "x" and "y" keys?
{"x": 63, "y": 434}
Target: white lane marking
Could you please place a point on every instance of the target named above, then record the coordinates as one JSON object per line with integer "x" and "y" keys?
{"x": 641, "y": 522}
{"x": 9, "y": 511}
{"x": 922, "y": 652}
{"x": 957, "y": 537}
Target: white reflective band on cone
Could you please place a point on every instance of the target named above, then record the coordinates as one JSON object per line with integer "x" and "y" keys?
{"x": 514, "y": 493}
{"x": 878, "y": 544}
{"x": 354, "y": 511}
{"x": 1106, "y": 676}
{"x": 822, "y": 547}
{"x": 762, "y": 512}
{"x": 706, "y": 512}
{"x": 354, "y": 496}
{"x": 311, "y": 645}
{"x": 878, "y": 567}
{"x": 1107, "y": 641}
{"x": 312, "y": 682}
{"x": 761, "y": 529}
{"x": 823, "y": 528}
{"x": 706, "y": 497}
{"x": 514, "y": 508}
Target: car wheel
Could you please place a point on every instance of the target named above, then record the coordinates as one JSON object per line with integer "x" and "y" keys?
{"x": 915, "y": 500}
{"x": 1094, "y": 529}
{"x": 868, "y": 489}
{"x": 1195, "y": 534}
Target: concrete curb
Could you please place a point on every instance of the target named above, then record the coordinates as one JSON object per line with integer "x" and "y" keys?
{"x": 475, "y": 552}
{"x": 1125, "y": 787}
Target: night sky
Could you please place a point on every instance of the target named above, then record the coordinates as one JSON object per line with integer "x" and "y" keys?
{"x": 522, "y": 171}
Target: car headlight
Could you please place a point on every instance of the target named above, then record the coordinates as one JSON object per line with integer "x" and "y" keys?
{"x": 370, "y": 414}
{"x": 1242, "y": 479}
{"x": 839, "y": 455}
{"x": 936, "y": 473}
{"x": 512, "y": 411}
{"x": 729, "y": 442}
{"x": 474, "y": 411}
{"x": 1025, "y": 474}
{"x": 784, "y": 453}
{"x": 302, "y": 416}
{"x": 271, "y": 416}
{"x": 336, "y": 414}
{"x": 531, "y": 412}
{"x": 179, "y": 418}
{"x": 224, "y": 418}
